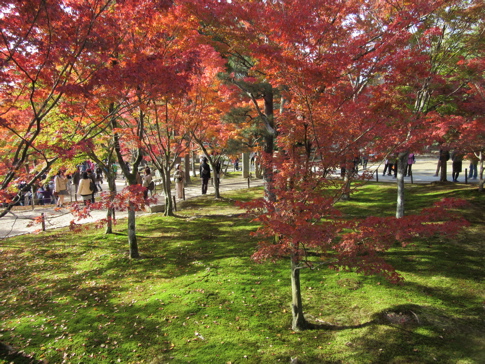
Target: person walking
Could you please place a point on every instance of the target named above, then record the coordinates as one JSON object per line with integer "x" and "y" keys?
{"x": 178, "y": 177}
{"x": 39, "y": 194}
{"x": 387, "y": 167}
{"x": 94, "y": 189}
{"x": 86, "y": 188}
{"x": 411, "y": 161}
{"x": 76, "y": 178}
{"x": 99, "y": 178}
{"x": 47, "y": 195}
{"x": 205, "y": 175}
{"x": 473, "y": 170}
{"x": 444, "y": 156}
{"x": 147, "y": 182}
{"x": 457, "y": 159}
{"x": 60, "y": 188}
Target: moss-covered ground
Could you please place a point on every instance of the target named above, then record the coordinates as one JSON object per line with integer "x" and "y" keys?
{"x": 195, "y": 296}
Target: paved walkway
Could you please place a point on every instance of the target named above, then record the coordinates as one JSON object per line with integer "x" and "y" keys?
{"x": 424, "y": 171}
{"x": 17, "y": 222}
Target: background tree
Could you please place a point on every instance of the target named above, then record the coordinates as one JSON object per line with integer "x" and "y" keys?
{"x": 336, "y": 64}
{"x": 236, "y": 42}
{"x": 204, "y": 109}
{"x": 165, "y": 141}
{"x": 45, "y": 49}
{"x": 131, "y": 74}
{"x": 456, "y": 49}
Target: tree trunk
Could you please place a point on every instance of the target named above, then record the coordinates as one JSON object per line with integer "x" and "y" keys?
{"x": 110, "y": 214}
{"x": 257, "y": 169}
{"x": 347, "y": 182}
{"x": 269, "y": 139}
{"x": 192, "y": 163}
{"x": 402, "y": 162}
{"x": 268, "y": 172}
{"x": 216, "y": 186}
{"x": 444, "y": 164}
{"x": 298, "y": 323}
{"x": 132, "y": 232}
{"x": 167, "y": 189}
{"x": 131, "y": 179}
{"x": 482, "y": 181}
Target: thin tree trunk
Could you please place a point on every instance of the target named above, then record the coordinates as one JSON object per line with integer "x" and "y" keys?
{"x": 402, "y": 162}
{"x": 192, "y": 164}
{"x": 482, "y": 181}
{"x": 269, "y": 138}
{"x": 131, "y": 179}
{"x": 110, "y": 214}
{"x": 109, "y": 223}
{"x": 299, "y": 323}
{"x": 258, "y": 169}
{"x": 216, "y": 186}
{"x": 167, "y": 189}
{"x": 216, "y": 161}
{"x": 268, "y": 172}
{"x": 132, "y": 240}
{"x": 444, "y": 165}
{"x": 347, "y": 182}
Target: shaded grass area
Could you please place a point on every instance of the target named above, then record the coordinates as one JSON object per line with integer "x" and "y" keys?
{"x": 196, "y": 296}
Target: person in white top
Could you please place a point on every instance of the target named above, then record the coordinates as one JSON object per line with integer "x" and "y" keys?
{"x": 60, "y": 188}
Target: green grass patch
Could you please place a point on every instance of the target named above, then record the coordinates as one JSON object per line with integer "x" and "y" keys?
{"x": 197, "y": 297}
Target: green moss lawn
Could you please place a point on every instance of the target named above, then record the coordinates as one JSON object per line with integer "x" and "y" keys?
{"x": 197, "y": 297}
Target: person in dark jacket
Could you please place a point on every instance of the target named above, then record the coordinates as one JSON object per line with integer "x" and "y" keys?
{"x": 76, "y": 177}
{"x": 457, "y": 159}
{"x": 92, "y": 177}
{"x": 205, "y": 175}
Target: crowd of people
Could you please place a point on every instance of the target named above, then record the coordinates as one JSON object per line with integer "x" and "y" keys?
{"x": 456, "y": 157}
{"x": 84, "y": 182}
{"x": 390, "y": 166}
{"x": 87, "y": 179}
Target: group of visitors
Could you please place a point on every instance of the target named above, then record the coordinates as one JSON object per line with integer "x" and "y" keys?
{"x": 390, "y": 166}
{"x": 87, "y": 182}
{"x": 84, "y": 182}
{"x": 457, "y": 157}
{"x": 457, "y": 164}
{"x": 87, "y": 179}
{"x": 55, "y": 189}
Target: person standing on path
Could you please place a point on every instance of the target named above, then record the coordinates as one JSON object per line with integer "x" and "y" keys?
{"x": 147, "y": 179}
{"x": 387, "y": 167}
{"x": 84, "y": 189}
{"x": 205, "y": 175}
{"x": 60, "y": 188}
{"x": 411, "y": 161}
{"x": 443, "y": 157}
{"x": 76, "y": 178}
{"x": 473, "y": 170}
{"x": 94, "y": 189}
{"x": 457, "y": 159}
{"x": 99, "y": 178}
{"x": 178, "y": 177}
